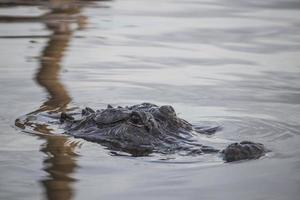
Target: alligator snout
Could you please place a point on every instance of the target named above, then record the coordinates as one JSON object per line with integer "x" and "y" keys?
{"x": 243, "y": 150}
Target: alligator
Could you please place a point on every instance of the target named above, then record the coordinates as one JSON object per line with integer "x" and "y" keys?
{"x": 143, "y": 129}
{"x": 147, "y": 128}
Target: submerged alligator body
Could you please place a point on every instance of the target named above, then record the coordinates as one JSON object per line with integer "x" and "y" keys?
{"x": 146, "y": 128}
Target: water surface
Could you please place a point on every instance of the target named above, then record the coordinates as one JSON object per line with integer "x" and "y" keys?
{"x": 234, "y": 63}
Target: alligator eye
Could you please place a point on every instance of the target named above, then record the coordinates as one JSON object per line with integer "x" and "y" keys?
{"x": 135, "y": 119}
{"x": 168, "y": 110}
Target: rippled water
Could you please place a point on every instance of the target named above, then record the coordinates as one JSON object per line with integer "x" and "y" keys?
{"x": 235, "y": 63}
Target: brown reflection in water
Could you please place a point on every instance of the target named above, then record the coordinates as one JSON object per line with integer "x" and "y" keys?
{"x": 60, "y": 162}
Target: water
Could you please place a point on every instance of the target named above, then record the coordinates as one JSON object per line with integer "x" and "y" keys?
{"x": 234, "y": 63}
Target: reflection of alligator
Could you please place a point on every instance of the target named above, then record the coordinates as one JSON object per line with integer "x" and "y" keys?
{"x": 146, "y": 128}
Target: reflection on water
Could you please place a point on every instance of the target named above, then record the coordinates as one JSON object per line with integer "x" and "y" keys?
{"x": 60, "y": 162}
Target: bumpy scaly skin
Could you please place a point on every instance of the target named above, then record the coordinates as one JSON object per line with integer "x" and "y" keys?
{"x": 243, "y": 150}
{"x": 146, "y": 128}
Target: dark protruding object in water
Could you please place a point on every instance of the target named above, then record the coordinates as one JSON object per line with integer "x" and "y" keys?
{"x": 243, "y": 150}
{"x": 146, "y": 128}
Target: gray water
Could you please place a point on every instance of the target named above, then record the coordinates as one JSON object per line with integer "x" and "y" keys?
{"x": 230, "y": 62}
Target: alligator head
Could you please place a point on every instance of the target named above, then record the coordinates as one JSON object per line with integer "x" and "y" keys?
{"x": 147, "y": 128}
{"x": 140, "y": 129}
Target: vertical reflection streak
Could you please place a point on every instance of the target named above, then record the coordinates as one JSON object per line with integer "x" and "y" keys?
{"x": 60, "y": 160}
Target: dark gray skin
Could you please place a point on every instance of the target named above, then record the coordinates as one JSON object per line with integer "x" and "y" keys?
{"x": 146, "y": 128}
